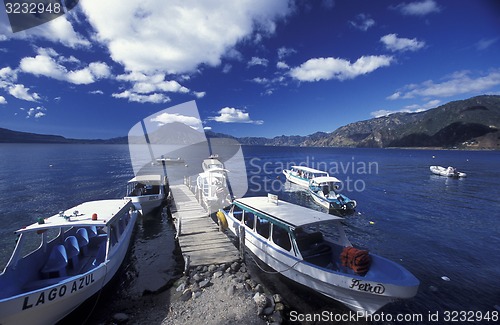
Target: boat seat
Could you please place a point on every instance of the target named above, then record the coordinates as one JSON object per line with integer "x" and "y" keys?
{"x": 92, "y": 232}
{"x": 83, "y": 240}
{"x": 101, "y": 254}
{"x": 56, "y": 262}
{"x": 72, "y": 251}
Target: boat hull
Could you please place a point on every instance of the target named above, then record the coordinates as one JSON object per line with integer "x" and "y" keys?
{"x": 148, "y": 203}
{"x": 363, "y": 294}
{"x": 304, "y": 182}
{"x": 348, "y": 206}
{"x": 441, "y": 171}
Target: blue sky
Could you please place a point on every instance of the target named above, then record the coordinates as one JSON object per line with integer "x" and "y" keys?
{"x": 255, "y": 68}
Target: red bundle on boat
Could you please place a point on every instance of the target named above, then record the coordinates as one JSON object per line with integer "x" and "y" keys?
{"x": 357, "y": 259}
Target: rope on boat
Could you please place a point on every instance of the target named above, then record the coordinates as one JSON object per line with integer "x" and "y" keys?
{"x": 273, "y": 272}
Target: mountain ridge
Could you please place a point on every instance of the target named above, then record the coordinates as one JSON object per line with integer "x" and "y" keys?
{"x": 468, "y": 124}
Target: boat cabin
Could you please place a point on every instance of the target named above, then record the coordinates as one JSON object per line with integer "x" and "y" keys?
{"x": 212, "y": 162}
{"x": 142, "y": 185}
{"x": 326, "y": 186}
{"x": 302, "y": 233}
{"x": 306, "y": 172}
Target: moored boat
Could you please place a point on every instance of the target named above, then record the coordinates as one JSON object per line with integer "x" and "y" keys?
{"x": 170, "y": 161}
{"x": 292, "y": 240}
{"x": 324, "y": 191}
{"x": 448, "y": 172}
{"x": 212, "y": 162}
{"x": 79, "y": 251}
{"x": 147, "y": 192}
{"x": 301, "y": 175}
{"x": 212, "y": 189}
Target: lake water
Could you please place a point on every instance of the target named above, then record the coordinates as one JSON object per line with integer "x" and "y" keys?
{"x": 445, "y": 231}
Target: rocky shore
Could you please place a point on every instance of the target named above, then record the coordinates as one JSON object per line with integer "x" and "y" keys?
{"x": 215, "y": 294}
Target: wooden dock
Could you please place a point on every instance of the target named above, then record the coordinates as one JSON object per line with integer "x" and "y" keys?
{"x": 200, "y": 240}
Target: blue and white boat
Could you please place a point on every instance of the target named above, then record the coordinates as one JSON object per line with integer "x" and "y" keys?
{"x": 301, "y": 175}
{"x": 147, "y": 192}
{"x": 61, "y": 261}
{"x": 307, "y": 246}
{"x": 324, "y": 191}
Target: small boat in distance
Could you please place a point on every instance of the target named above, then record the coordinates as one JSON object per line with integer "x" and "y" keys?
{"x": 78, "y": 251}
{"x": 448, "y": 172}
{"x": 147, "y": 192}
{"x": 311, "y": 248}
{"x": 301, "y": 175}
{"x": 170, "y": 161}
{"x": 324, "y": 192}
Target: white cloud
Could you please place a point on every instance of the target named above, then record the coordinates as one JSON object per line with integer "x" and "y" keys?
{"x": 394, "y": 43}
{"x": 36, "y": 112}
{"x": 460, "y": 82}
{"x": 485, "y": 43}
{"x": 363, "y": 22}
{"x": 7, "y": 74}
{"x": 282, "y": 65}
{"x": 226, "y": 68}
{"x": 21, "y": 92}
{"x": 234, "y": 115}
{"x": 100, "y": 70}
{"x": 258, "y": 61}
{"x": 48, "y": 63}
{"x": 259, "y": 80}
{"x": 284, "y": 52}
{"x": 418, "y": 8}
{"x": 97, "y": 92}
{"x": 59, "y": 31}
{"x": 408, "y": 109}
{"x": 199, "y": 94}
{"x": 3, "y": 100}
{"x": 178, "y": 36}
{"x": 166, "y": 118}
{"x": 334, "y": 68}
{"x": 134, "y": 97}
{"x": 154, "y": 85}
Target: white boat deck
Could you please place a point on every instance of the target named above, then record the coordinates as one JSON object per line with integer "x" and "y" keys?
{"x": 200, "y": 237}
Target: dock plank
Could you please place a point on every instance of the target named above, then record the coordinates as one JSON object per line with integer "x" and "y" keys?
{"x": 200, "y": 237}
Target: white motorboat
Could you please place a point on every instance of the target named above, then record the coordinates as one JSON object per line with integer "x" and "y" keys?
{"x": 169, "y": 161}
{"x": 301, "y": 175}
{"x": 212, "y": 189}
{"x": 61, "y": 261}
{"x": 147, "y": 192}
{"x": 324, "y": 191}
{"x": 212, "y": 162}
{"x": 311, "y": 248}
{"x": 448, "y": 172}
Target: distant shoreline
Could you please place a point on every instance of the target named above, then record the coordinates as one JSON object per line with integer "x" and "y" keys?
{"x": 104, "y": 142}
